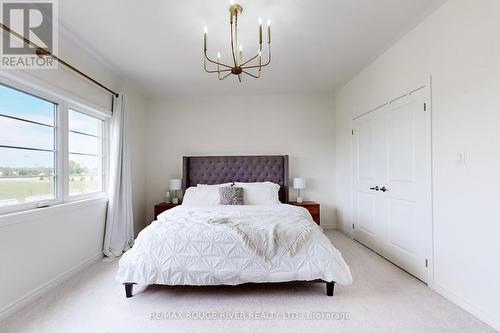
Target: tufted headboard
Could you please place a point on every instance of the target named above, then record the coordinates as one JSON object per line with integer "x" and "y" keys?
{"x": 245, "y": 169}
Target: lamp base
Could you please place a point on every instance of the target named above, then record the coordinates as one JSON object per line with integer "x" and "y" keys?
{"x": 175, "y": 201}
{"x": 299, "y": 199}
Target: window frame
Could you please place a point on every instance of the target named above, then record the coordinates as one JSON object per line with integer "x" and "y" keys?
{"x": 63, "y": 103}
{"x": 105, "y": 153}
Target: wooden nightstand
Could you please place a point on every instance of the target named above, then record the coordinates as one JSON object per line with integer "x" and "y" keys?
{"x": 312, "y": 207}
{"x": 160, "y": 208}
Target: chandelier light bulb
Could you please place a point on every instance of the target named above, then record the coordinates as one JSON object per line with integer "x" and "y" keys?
{"x": 231, "y": 2}
{"x": 241, "y": 47}
{"x": 218, "y": 55}
{"x": 205, "y": 30}
{"x": 260, "y": 20}
{"x": 269, "y": 31}
{"x": 205, "y": 38}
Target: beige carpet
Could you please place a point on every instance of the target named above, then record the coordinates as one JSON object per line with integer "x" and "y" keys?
{"x": 382, "y": 299}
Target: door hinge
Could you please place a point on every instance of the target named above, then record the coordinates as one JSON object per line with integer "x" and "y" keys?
{"x": 425, "y": 106}
{"x": 352, "y": 132}
{"x": 353, "y": 226}
{"x": 426, "y": 263}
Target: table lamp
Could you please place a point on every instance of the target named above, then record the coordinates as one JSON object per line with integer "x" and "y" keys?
{"x": 175, "y": 185}
{"x": 299, "y": 184}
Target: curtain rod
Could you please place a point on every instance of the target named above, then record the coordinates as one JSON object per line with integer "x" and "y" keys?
{"x": 41, "y": 52}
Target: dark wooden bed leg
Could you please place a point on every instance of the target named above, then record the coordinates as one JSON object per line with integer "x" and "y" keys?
{"x": 128, "y": 289}
{"x": 329, "y": 288}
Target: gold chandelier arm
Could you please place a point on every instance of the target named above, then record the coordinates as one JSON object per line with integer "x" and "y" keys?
{"x": 216, "y": 71}
{"x": 221, "y": 71}
{"x": 264, "y": 65}
{"x": 232, "y": 43}
{"x": 252, "y": 75}
{"x": 215, "y": 62}
{"x": 260, "y": 70}
{"x": 234, "y": 35}
{"x": 236, "y": 42}
{"x": 260, "y": 49}
{"x": 222, "y": 78}
{"x": 254, "y": 57}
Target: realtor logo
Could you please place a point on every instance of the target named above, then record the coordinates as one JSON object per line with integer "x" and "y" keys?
{"x": 35, "y": 20}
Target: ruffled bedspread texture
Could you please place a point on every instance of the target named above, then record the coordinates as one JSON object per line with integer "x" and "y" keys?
{"x": 230, "y": 245}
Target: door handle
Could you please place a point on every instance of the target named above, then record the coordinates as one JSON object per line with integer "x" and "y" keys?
{"x": 384, "y": 189}
{"x": 376, "y": 188}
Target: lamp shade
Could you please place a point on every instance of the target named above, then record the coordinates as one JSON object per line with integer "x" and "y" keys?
{"x": 175, "y": 184}
{"x": 299, "y": 183}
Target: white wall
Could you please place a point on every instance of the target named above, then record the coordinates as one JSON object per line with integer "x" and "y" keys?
{"x": 459, "y": 46}
{"x": 298, "y": 125}
{"x": 38, "y": 248}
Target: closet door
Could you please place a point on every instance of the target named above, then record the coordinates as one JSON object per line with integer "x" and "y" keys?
{"x": 369, "y": 171}
{"x": 392, "y": 209}
{"x": 407, "y": 226}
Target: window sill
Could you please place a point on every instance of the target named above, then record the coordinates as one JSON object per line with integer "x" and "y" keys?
{"x": 27, "y": 215}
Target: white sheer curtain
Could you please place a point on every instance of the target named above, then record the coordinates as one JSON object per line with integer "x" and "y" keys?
{"x": 119, "y": 233}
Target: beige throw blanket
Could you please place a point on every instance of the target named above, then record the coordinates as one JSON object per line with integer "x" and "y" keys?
{"x": 266, "y": 234}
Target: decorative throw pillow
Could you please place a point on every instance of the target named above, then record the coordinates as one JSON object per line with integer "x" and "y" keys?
{"x": 231, "y": 195}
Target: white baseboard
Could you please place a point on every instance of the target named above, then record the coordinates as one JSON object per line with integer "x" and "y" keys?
{"x": 464, "y": 304}
{"x": 344, "y": 230}
{"x": 36, "y": 293}
{"x": 329, "y": 226}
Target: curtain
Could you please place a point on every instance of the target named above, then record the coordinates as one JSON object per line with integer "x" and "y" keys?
{"x": 119, "y": 233}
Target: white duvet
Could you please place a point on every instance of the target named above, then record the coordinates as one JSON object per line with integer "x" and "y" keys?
{"x": 183, "y": 248}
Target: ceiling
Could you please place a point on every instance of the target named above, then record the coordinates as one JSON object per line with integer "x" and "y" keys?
{"x": 318, "y": 45}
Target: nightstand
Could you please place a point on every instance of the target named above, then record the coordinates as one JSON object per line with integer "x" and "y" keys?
{"x": 312, "y": 207}
{"x": 160, "y": 208}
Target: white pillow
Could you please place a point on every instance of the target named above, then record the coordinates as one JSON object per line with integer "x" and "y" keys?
{"x": 265, "y": 193}
{"x": 201, "y": 196}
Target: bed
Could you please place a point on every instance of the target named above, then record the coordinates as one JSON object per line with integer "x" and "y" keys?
{"x": 207, "y": 244}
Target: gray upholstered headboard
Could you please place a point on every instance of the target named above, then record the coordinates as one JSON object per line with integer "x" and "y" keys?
{"x": 245, "y": 169}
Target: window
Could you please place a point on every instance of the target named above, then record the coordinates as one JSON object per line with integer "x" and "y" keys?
{"x": 49, "y": 152}
{"x": 27, "y": 148}
{"x": 85, "y": 154}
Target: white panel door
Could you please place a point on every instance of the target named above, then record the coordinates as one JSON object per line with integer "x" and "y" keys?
{"x": 369, "y": 172}
{"x": 408, "y": 227}
{"x": 398, "y": 162}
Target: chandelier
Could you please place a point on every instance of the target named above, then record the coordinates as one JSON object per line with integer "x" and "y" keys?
{"x": 239, "y": 66}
